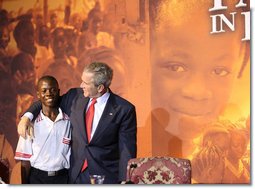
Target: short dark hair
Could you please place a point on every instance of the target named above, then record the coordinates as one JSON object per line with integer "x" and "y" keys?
{"x": 47, "y": 78}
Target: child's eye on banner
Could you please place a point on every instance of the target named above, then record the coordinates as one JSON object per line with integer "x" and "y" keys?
{"x": 221, "y": 71}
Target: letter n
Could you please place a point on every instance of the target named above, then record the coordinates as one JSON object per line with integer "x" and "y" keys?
{"x": 222, "y": 19}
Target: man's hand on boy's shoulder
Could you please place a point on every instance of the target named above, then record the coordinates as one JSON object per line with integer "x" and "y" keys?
{"x": 25, "y": 127}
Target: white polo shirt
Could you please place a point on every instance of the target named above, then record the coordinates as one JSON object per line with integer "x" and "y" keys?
{"x": 50, "y": 149}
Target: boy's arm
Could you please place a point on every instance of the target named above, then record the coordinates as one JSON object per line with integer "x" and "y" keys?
{"x": 23, "y": 153}
{"x": 25, "y": 126}
{"x": 25, "y": 170}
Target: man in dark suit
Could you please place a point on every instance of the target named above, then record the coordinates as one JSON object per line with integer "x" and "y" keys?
{"x": 113, "y": 134}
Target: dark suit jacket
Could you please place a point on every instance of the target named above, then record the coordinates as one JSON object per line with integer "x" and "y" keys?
{"x": 113, "y": 143}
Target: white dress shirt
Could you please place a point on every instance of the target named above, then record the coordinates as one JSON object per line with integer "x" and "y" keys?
{"x": 99, "y": 108}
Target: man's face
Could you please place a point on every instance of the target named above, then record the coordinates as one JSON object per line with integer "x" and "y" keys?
{"x": 193, "y": 70}
{"x": 87, "y": 85}
{"x": 48, "y": 93}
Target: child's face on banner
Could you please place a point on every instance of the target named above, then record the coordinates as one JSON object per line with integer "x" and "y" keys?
{"x": 193, "y": 69}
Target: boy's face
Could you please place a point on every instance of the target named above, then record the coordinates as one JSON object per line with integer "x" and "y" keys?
{"x": 48, "y": 93}
{"x": 193, "y": 70}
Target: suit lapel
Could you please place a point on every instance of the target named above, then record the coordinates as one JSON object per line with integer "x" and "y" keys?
{"x": 82, "y": 104}
{"x": 107, "y": 116}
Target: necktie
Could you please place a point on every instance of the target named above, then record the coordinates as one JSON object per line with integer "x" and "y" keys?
{"x": 89, "y": 121}
{"x": 89, "y": 118}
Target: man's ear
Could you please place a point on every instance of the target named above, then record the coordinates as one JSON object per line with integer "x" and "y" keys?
{"x": 100, "y": 88}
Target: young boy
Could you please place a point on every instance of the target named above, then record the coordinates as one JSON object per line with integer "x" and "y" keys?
{"x": 194, "y": 75}
{"x": 45, "y": 158}
{"x": 194, "y": 70}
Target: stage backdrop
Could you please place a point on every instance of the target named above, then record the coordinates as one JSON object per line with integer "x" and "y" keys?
{"x": 185, "y": 65}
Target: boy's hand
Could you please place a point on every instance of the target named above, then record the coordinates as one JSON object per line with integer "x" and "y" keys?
{"x": 25, "y": 127}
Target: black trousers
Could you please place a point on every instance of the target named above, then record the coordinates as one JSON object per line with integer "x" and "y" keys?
{"x": 43, "y": 177}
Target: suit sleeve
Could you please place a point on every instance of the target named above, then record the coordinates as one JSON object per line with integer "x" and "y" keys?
{"x": 35, "y": 108}
{"x": 127, "y": 141}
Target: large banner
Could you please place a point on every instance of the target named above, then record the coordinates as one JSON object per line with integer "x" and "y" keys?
{"x": 200, "y": 86}
{"x": 184, "y": 64}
